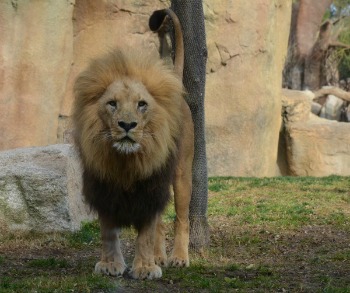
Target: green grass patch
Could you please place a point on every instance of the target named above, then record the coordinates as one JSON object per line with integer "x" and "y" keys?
{"x": 205, "y": 277}
{"x": 331, "y": 286}
{"x": 89, "y": 234}
{"x": 343, "y": 255}
{"x": 48, "y": 284}
{"x": 48, "y": 263}
{"x": 218, "y": 184}
{"x": 283, "y": 202}
{"x": 169, "y": 214}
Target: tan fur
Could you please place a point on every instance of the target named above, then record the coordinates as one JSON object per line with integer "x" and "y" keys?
{"x": 154, "y": 80}
{"x": 165, "y": 127}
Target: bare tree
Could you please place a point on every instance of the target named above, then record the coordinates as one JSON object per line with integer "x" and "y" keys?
{"x": 311, "y": 41}
{"x": 191, "y": 17}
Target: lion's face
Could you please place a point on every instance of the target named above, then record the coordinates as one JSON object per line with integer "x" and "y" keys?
{"x": 126, "y": 109}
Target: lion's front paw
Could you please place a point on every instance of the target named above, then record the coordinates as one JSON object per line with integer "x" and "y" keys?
{"x": 178, "y": 261}
{"x": 110, "y": 268}
{"x": 146, "y": 272}
{"x": 160, "y": 260}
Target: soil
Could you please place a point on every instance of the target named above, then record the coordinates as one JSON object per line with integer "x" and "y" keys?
{"x": 311, "y": 259}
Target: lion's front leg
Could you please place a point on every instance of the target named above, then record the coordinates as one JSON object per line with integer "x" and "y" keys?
{"x": 112, "y": 261}
{"x": 144, "y": 266}
{"x": 160, "y": 256}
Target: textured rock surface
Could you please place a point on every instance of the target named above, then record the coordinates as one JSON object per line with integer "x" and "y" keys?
{"x": 319, "y": 147}
{"x": 332, "y": 108}
{"x": 313, "y": 146}
{"x": 100, "y": 26}
{"x": 36, "y": 52}
{"x": 45, "y": 44}
{"x": 247, "y": 43}
{"x": 40, "y": 189}
{"x": 296, "y": 105}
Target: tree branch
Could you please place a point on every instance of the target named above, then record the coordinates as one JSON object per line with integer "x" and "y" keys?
{"x": 331, "y": 90}
{"x": 339, "y": 45}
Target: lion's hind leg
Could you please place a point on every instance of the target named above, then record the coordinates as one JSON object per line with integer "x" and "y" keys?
{"x": 112, "y": 261}
{"x": 144, "y": 266}
{"x": 182, "y": 191}
{"x": 182, "y": 196}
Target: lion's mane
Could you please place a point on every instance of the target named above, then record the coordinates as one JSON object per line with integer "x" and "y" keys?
{"x": 135, "y": 183}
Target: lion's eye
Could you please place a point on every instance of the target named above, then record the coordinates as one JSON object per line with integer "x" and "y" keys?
{"x": 141, "y": 104}
{"x": 113, "y": 104}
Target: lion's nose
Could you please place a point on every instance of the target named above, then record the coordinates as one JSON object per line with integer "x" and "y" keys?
{"x": 127, "y": 126}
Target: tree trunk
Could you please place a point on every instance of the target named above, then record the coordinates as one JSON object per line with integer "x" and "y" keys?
{"x": 303, "y": 68}
{"x": 191, "y": 17}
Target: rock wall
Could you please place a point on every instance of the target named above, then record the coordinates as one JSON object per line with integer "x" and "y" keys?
{"x": 36, "y": 53}
{"x": 247, "y": 42}
{"x": 45, "y": 44}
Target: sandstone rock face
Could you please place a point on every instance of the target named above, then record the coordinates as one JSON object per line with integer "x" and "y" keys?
{"x": 313, "y": 146}
{"x": 319, "y": 148}
{"x": 40, "y": 189}
{"x": 296, "y": 105}
{"x": 247, "y": 43}
{"x": 100, "y": 26}
{"x": 45, "y": 44}
{"x": 36, "y": 52}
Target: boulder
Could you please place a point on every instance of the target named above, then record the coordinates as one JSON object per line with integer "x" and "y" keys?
{"x": 312, "y": 146}
{"x": 319, "y": 147}
{"x": 332, "y": 108}
{"x": 296, "y": 105}
{"x": 40, "y": 189}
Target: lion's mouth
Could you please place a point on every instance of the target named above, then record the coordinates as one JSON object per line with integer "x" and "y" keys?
{"x": 127, "y": 139}
{"x": 126, "y": 145}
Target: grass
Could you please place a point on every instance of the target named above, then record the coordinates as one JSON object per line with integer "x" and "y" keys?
{"x": 48, "y": 263}
{"x": 267, "y": 235}
{"x": 77, "y": 283}
{"x": 89, "y": 234}
{"x": 286, "y": 202}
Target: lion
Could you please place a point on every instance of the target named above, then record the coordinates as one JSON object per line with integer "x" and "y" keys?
{"x": 135, "y": 137}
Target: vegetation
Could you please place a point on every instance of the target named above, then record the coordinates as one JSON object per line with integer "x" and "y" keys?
{"x": 341, "y": 8}
{"x": 344, "y": 54}
{"x": 324, "y": 58}
{"x": 282, "y": 234}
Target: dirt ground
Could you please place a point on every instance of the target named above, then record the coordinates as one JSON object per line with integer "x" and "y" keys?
{"x": 313, "y": 259}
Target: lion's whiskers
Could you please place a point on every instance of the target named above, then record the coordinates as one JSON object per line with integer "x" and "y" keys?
{"x": 103, "y": 136}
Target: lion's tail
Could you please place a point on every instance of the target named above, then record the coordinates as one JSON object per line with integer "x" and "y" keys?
{"x": 156, "y": 22}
